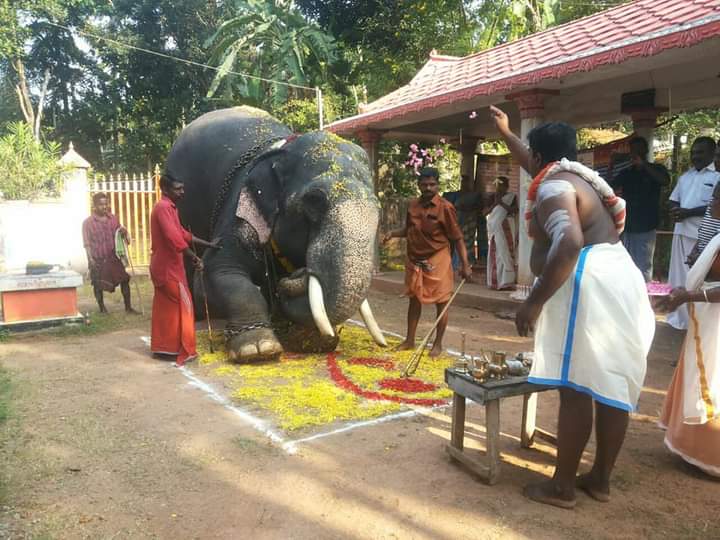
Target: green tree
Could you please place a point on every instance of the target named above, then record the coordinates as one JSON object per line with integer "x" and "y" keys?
{"x": 274, "y": 41}
{"x": 28, "y": 168}
{"x": 384, "y": 42}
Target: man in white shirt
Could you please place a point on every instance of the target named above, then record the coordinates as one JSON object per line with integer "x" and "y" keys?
{"x": 688, "y": 202}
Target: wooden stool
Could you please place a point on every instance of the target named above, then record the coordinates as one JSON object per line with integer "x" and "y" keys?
{"x": 489, "y": 394}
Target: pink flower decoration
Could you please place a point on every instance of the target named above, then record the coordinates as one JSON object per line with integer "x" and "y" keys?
{"x": 473, "y": 115}
{"x": 414, "y": 147}
{"x": 442, "y": 141}
{"x": 423, "y": 152}
{"x": 439, "y": 152}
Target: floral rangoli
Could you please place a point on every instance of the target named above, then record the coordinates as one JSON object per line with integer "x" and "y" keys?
{"x": 359, "y": 381}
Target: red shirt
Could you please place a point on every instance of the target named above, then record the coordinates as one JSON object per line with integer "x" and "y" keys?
{"x": 99, "y": 235}
{"x": 169, "y": 240}
{"x": 431, "y": 227}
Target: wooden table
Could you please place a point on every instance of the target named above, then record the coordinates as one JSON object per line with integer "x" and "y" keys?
{"x": 489, "y": 394}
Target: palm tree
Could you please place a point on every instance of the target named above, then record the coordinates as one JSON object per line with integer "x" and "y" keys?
{"x": 272, "y": 40}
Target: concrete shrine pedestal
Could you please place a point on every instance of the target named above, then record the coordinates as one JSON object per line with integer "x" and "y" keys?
{"x": 32, "y": 301}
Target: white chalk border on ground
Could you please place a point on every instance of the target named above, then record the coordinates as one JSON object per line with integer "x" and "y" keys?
{"x": 276, "y": 436}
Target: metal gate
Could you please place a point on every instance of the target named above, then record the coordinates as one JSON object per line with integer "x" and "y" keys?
{"x": 131, "y": 199}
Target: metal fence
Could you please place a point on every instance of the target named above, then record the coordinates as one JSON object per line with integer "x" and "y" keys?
{"x": 131, "y": 199}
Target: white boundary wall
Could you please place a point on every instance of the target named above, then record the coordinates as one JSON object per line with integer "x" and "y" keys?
{"x": 49, "y": 230}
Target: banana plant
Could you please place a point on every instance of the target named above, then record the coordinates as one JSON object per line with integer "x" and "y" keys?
{"x": 271, "y": 40}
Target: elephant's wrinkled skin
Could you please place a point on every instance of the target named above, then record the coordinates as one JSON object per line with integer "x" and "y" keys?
{"x": 295, "y": 217}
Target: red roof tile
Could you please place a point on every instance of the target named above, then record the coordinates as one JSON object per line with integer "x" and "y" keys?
{"x": 639, "y": 28}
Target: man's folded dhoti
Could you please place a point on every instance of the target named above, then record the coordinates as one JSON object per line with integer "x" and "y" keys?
{"x": 430, "y": 280}
{"x": 595, "y": 332}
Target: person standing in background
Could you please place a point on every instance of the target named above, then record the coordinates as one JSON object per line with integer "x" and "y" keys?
{"x": 501, "y": 237}
{"x": 430, "y": 228}
{"x": 688, "y": 203}
{"x": 106, "y": 269}
{"x": 640, "y": 185}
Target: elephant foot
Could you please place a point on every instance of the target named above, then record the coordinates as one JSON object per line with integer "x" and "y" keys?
{"x": 306, "y": 340}
{"x": 255, "y": 345}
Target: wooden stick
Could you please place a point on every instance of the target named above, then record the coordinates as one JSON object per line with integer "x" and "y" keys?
{"x": 202, "y": 289}
{"x": 134, "y": 276}
{"x": 414, "y": 362}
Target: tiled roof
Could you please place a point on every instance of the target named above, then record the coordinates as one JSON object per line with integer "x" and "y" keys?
{"x": 639, "y": 28}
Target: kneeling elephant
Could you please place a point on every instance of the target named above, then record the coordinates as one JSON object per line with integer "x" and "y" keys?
{"x": 297, "y": 217}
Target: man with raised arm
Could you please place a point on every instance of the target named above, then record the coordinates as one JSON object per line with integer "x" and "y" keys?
{"x": 588, "y": 309}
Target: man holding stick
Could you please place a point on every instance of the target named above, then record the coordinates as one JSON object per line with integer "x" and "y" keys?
{"x": 173, "y": 318}
{"x": 589, "y": 307}
{"x": 431, "y": 224}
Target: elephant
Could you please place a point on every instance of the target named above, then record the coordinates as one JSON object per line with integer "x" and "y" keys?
{"x": 297, "y": 220}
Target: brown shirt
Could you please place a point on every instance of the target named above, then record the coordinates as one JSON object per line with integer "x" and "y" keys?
{"x": 430, "y": 227}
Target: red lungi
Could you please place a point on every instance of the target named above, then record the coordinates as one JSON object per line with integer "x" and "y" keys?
{"x": 173, "y": 321}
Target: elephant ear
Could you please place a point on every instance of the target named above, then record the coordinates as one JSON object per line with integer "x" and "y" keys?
{"x": 248, "y": 211}
{"x": 260, "y": 200}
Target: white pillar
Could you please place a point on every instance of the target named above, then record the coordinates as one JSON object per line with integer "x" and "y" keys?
{"x": 75, "y": 195}
{"x": 467, "y": 162}
{"x": 531, "y": 104}
{"x": 525, "y": 275}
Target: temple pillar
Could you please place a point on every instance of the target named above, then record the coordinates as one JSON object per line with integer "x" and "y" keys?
{"x": 531, "y": 104}
{"x": 369, "y": 140}
{"x": 467, "y": 150}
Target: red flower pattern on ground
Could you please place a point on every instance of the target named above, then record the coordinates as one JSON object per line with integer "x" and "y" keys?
{"x": 387, "y": 365}
{"x": 343, "y": 382}
{"x": 407, "y": 385}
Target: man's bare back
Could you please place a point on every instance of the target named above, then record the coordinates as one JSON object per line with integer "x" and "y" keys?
{"x": 596, "y": 222}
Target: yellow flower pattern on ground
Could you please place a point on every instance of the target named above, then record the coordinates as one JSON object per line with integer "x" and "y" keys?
{"x": 297, "y": 391}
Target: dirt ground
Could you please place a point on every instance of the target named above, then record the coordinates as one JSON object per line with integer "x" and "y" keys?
{"x": 105, "y": 442}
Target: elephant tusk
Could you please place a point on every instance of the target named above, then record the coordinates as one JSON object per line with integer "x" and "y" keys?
{"x": 317, "y": 307}
{"x": 372, "y": 324}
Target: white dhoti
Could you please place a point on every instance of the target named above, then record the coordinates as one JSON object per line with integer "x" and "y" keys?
{"x": 594, "y": 333}
{"x": 681, "y": 247}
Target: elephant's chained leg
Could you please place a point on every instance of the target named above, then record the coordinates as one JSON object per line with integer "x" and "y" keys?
{"x": 252, "y": 343}
{"x": 248, "y": 335}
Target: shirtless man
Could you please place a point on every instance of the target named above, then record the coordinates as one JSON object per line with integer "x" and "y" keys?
{"x": 589, "y": 310}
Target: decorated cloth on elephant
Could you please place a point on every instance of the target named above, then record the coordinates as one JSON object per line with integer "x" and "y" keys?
{"x": 431, "y": 227}
{"x": 173, "y": 319}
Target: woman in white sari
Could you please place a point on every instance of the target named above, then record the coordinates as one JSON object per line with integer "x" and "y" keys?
{"x": 691, "y": 414}
{"x": 501, "y": 231}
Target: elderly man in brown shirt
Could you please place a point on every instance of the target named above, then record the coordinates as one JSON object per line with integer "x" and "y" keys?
{"x": 431, "y": 225}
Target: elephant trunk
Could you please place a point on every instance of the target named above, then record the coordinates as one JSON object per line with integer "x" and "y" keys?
{"x": 340, "y": 257}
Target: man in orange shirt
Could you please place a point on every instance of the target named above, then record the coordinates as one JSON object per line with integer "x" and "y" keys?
{"x": 430, "y": 226}
{"x": 173, "y": 318}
